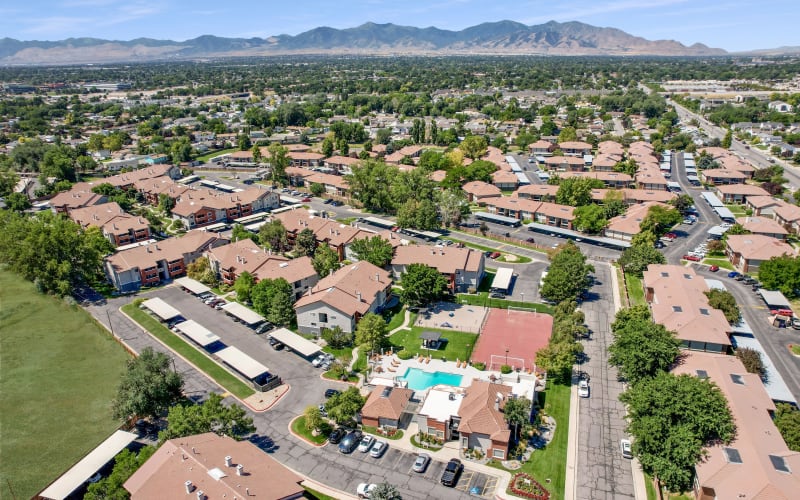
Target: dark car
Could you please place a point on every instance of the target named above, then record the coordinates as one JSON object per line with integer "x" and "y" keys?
{"x": 331, "y": 392}
{"x": 497, "y": 295}
{"x": 328, "y": 201}
{"x": 336, "y": 435}
{"x": 451, "y": 472}
{"x": 350, "y": 442}
{"x": 337, "y": 203}
{"x": 733, "y": 274}
{"x": 277, "y": 346}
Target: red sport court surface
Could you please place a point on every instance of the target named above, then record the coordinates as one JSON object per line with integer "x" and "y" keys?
{"x": 521, "y": 332}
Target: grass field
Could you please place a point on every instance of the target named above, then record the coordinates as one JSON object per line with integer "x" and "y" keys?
{"x": 214, "y": 154}
{"x": 722, "y": 263}
{"x": 459, "y": 344}
{"x": 220, "y": 375}
{"x": 517, "y": 259}
{"x": 635, "y": 289}
{"x": 482, "y": 299}
{"x": 299, "y": 428}
{"x": 58, "y": 374}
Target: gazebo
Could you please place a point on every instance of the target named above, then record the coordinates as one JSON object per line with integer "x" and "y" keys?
{"x": 431, "y": 340}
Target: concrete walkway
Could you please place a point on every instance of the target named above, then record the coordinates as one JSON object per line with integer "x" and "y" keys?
{"x": 405, "y": 325}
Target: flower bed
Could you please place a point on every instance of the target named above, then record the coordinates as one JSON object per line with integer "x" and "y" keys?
{"x": 523, "y": 485}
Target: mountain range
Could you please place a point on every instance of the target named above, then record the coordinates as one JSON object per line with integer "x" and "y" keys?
{"x": 493, "y": 38}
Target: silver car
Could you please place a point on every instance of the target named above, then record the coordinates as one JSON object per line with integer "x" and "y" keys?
{"x": 421, "y": 463}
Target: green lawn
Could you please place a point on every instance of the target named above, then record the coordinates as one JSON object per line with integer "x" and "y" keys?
{"x": 315, "y": 495}
{"x": 482, "y": 299}
{"x": 722, "y": 263}
{"x": 459, "y": 344}
{"x": 59, "y": 371}
{"x": 299, "y": 428}
{"x": 214, "y": 154}
{"x": 519, "y": 258}
{"x": 635, "y": 289}
{"x": 489, "y": 237}
{"x": 652, "y": 494}
{"x": 549, "y": 463}
{"x": 220, "y": 375}
{"x": 394, "y": 317}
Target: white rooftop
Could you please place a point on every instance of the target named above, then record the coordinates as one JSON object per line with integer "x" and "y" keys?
{"x": 439, "y": 406}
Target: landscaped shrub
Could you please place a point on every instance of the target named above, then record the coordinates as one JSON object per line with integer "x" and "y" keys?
{"x": 525, "y": 486}
{"x": 405, "y": 354}
{"x": 505, "y": 369}
{"x": 479, "y": 366}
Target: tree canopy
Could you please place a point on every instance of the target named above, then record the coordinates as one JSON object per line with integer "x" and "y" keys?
{"x": 636, "y": 258}
{"x": 372, "y": 331}
{"x": 343, "y": 407}
{"x": 273, "y": 299}
{"x": 375, "y": 250}
{"x": 787, "y": 419}
{"x": 781, "y": 273}
{"x": 422, "y": 285}
{"x": 126, "y": 463}
{"x": 641, "y": 348}
{"x": 325, "y": 260}
{"x": 210, "y": 416}
{"x": 568, "y": 276}
{"x": 725, "y": 302}
{"x": 273, "y": 233}
{"x": 671, "y": 419}
{"x": 148, "y": 387}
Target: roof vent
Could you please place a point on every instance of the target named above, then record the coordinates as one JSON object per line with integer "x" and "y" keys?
{"x": 386, "y": 392}
{"x": 702, "y": 374}
{"x": 780, "y": 464}
{"x": 189, "y": 486}
{"x": 239, "y": 470}
{"x": 732, "y": 455}
{"x": 228, "y": 461}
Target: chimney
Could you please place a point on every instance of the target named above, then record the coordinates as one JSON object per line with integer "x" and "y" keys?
{"x": 189, "y": 486}
{"x": 358, "y": 294}
{"x": 240, "y": 470}
{"x": 228, "y": 461}
{"x": 378, "y": 277}
{"x": 201, "y": 495}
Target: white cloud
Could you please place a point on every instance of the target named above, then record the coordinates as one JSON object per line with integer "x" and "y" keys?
{"x": 58, "y": 26}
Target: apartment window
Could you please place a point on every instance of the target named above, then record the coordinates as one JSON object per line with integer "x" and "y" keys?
{"x": 323, "y": 317}
{"x": 498, "y": 453}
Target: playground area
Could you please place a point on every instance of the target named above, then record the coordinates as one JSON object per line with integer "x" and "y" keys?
{"x": 512, "y": 337}
{"x": 461, "y": 318}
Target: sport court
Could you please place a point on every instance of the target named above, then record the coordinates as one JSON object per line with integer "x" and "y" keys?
{"x": 461, "y": 318}
{"x": 512, "y": 335}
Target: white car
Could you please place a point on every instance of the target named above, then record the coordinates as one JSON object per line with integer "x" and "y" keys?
{"x": 583, "y": 389}
{"x": 364, "y": 490}
{"x": 366, "y": 443}
{"x": 319, "y": 360}
{"x": 625, "y": 447}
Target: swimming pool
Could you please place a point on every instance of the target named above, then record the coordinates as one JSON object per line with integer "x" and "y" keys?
{"x": 419, "y": 380}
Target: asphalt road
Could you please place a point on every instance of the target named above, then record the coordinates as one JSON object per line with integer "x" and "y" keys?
{"x": 602, "y": 473}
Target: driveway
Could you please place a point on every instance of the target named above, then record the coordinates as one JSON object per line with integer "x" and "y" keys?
{"x": 602, "y": 473}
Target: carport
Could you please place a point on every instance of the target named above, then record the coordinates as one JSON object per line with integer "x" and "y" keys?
{"x": 242, "y": 363}
{"x": 197, "y": 332}
{"x": 89, "y": 465}
{"x": 193, "y": 286}
{"x": 161, "y": 309}
{"x": 295, "y": 342}
{"x": 502, "y": 279}
{"x": 248, "y": 316}
{"x": 775, "y": 299}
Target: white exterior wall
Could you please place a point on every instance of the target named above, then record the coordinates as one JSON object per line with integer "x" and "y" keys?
{"x": 308, "y": 319}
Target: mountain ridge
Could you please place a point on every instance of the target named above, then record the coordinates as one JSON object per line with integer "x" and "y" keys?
{"x": 503, "y": 37}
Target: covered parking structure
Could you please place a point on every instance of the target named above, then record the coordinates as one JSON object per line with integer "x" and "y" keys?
{"x": 775, "y": 299}
{"x": 246, "y": 315}
{"x": 248, "y": 367}
{"x": 197, "y": 332}
{"x": 192, "y": 285}
{"x": 725, "y": 214}
{"x": 498, "y": 219}
{"x": 295, "y": 342}
{"x": 161, "y": 309}
{"x": 575, "y": 235}
{"x": 502, "y": 279}
{"x": 78, "y": 474}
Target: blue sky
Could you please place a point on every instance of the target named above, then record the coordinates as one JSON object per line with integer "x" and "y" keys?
{"x": 731, "y": 25}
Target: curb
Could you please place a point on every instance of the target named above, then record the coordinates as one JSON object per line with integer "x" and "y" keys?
{"x": 301, "y": 438}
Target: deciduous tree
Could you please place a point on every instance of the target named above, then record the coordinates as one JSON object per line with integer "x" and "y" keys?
{"x": 210, "y": 416}
{"x": 642, "y": 349}
{"x": 306, "y": 242}
{"x": 371, "y": 331}
{"x": 273, "y": 299}
{"x": 325, "y": 260}
{"x": 244, "y": 286}
{"x": 422, "y": 285}
{"x": 787, "y": 420}
{"x": 148, "y": 387}
{"x": 568, "y": 276}
{"x": 274, "y": 235}
{"x": 636, "y": 258}
{"x": 725, "y": 302}
{"x": 343, "y": 407}
{"x": 375, "y": 250}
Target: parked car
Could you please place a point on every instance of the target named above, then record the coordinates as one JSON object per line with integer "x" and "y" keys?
{"x": 277, "y": 346}
{"x": 336, "y": 435}
{"x": 319, "y": 360}
{"x": 530, "y": 240}
{"x": 796, "y": 323}
{"x": 366, "y": 443}
{"x": 306, "y": 199}
{"x": 322, "y": 410}
{"x": 671, "y": 236}
{"x": 782, "y": 312}
{"x": 583, "y": 389}
{"x": 741, "y": 277}
{"x": 497, "y": 295}
{"x": 713, "y": 268}
{"x": 337, "y": 203}
{"x": 693, "y": 258}
{"x": 331, "y": 393}
{"x": 494, "y": 255}
{"x": 625, "y": 446}
{"x": 364, "y": 490}
{"x": 350, "y": 441}
{"x": 378, "y": 449}
{"x": 421, "y": 463}
{"x": 451, "y": 472}
{"x": 328, "y": 201}
{"x": 733, "y": 274}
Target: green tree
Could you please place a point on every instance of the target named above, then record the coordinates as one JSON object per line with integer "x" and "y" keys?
{"x": 567, "y": 134}
{"x": 238, "y": 233}
{"x": 660, "y": 219}
{"x": 781, "y": 273}
{"x": 473, "y": 146}
{"x": 200, "y": 270}
{"x": 453, "y": 207}
{"x": 671, "y": 419}
{"x": 725, "y": 302}
{"x": 642, "y": 349}
{"x": 314, "y": 420}
{"x": 375, "y": 250}
{"x": 148, "y": 387}
{"x": 372, "y": 331}
{"x": 568, "y": 276}
{"x": 210, "y": 416}
{"x": 370, "y": 184}
{"x": 728, "y": 139}
{"x": 325, "y": 260}
{"x": 637, "y": 258}
{"x": 682, "y": 202}
{"x": 327, "y": 147}
{"x": 576, "y": 191}
{"x": 274, "y": 235}
{"x": 422, "y": 285}
{"x": 751, "y": 359}
{"x": 613, "y": 204}
{"x": 337, "y": 338}
{"x": 126, "y": 463}
{"x": 273, "y": 299}
{"x": 8, "y": 181}
{"x": 256, "y": 152}
{"x": 278, "y": 161}
{"x": 243, "y": 141}
{"x": 166, "y": 203}
{"x": 385, "y": 491}
{"x": 517, "y": 412}
{"x": 244, "y": 286}
{"x": 306, "y": 242}
{"x": 17, "y": 202}
{"x": 343, "y": 407}
{"x": 557, "y": 359}
{"x": 590, "y": 219}
{"x": 317, "y": 189}
{"x": 787, "y": 420}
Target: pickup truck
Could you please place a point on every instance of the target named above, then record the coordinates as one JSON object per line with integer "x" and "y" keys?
{"x": 451, "y": 472}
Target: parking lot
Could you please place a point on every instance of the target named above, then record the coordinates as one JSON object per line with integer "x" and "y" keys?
{"x": 470, "y": 482}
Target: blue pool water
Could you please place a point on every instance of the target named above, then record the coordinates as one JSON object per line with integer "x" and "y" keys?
{"x": 419, "y": 380}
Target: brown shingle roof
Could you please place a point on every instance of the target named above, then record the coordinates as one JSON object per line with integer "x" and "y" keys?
{"x": 758, "y": 246}
{"x": 390, "y": 407}
{"x": 478, "y": 413}
{"x": 341, "y": 289}
{"x": 171, "y": 249}
{"x": 445, "y": 259}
